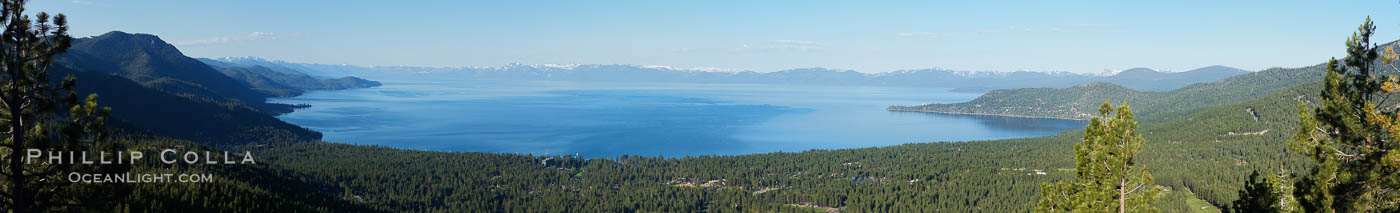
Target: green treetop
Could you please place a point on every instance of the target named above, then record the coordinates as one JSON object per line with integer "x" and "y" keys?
{"x": 1108, "y": 178}
{"x": 1351, "y": 136}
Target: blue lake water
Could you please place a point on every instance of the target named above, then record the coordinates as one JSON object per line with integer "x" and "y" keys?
{"x": 606, "y": 120}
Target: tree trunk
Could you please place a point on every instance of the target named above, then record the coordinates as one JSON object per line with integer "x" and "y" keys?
{"x": 1122, "y": 195}
{"x": 17, "y": 178}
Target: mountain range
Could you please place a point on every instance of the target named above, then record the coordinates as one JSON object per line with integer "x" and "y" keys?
{"x": 1142, "y": 79}
{"x": 282, "y": 81}
{"x": 154, "y": 87}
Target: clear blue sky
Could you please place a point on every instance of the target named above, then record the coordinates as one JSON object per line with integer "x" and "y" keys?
{"x": 1079, "y": 36}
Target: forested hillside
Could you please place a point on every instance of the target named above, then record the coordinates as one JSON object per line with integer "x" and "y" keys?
{"x": 238, "y": 188}
{"x": 279, "y": 81}
{"x": 1206, "y": 154}
{"x": 184, "y": 116}
{"x": 177, "y": 96}
{"x": 1076, "y": 102}
{"x": 153, "y": 87}
{"x": 148, "y": 60}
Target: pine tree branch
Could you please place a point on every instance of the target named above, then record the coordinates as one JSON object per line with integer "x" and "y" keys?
{"x": 1139, "y": 186}
{"x": 49, "y": 171}
{"x": 6, "y": 195}
{"x": 37, "y": 57}
{"x": 50, "y": 204}
{"x": 5, "y": 100}
{"x": 1344, "y": 154}
{"x": 12, "y": 146}
{"x": 26, "y": 103}
{"x": 7, "y": 206}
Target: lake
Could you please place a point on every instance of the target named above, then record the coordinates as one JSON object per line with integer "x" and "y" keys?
{"x": 613, "y": 119}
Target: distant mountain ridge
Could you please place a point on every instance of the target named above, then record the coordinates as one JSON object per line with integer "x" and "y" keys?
{"x": 976, "y": 81}
{"x": 1144, "y": 79}
{"x": 1080, "y": 102}
{"x": 278, "y": 80}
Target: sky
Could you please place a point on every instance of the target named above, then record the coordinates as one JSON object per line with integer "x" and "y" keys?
{"x": 763, "y": 36}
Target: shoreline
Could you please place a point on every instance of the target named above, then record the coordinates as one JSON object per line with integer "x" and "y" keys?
{"x": 438, "y": 150}
{"x": 893, "y": 109}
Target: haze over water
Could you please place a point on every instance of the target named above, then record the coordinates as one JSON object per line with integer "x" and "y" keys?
{"x": 613, "y": 119}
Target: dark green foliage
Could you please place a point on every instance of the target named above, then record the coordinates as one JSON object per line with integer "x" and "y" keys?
{"x": 1272, "y": 193}
{"x": 186, "y": 117}
{"x": 1351, "y": 136}
{"x": 1211, "y": 152}
{"x": 1257, "y": 196}
{"x": 237, "y": 187}
{"x": 33, "y": 115}
{"x": 992, "y": 176}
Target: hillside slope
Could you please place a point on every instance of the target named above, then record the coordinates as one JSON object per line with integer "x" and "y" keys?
{"x": 1068, "y": 103}
{"x": 148, "y": 60}
{"x": 184, "y": 117}
{"x": 281, "y": 81}
{"x": 1078, "y": 102}
{"x": 151, "y": 86}
{"x": 1144, "y": 79}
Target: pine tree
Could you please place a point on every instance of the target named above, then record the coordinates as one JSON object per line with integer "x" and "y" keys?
{"x": 1271, "y": 193}
{"x": 29, "y": 109}
{"x": 1108, "y": 178}
{"x": 1351, "y": 136}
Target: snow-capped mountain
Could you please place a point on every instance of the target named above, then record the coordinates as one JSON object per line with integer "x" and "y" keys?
{"x": 1137, "y": 78}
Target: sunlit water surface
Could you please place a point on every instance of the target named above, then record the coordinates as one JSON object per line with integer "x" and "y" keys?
{"x": 606, "y": 120}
